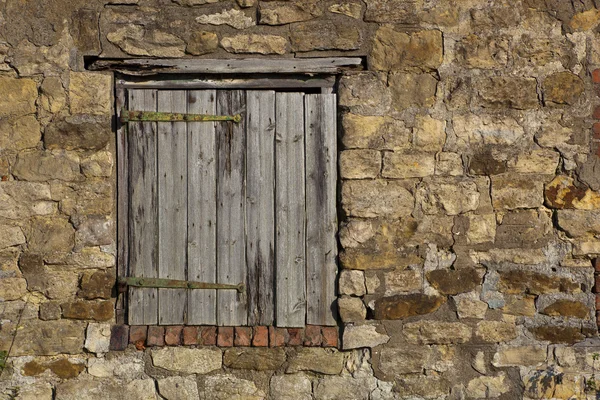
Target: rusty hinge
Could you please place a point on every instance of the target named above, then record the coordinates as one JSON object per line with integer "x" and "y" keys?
{"x": 154, "y": 116}
{"x": 174, "y": 284}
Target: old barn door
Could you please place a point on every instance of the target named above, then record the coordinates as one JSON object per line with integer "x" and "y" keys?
{"x": 241, "y": 202}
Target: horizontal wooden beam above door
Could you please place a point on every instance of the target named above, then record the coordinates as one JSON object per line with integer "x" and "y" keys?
{"x": 151, "y": 66}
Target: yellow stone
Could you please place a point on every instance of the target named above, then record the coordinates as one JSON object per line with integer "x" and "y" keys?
{"x": 585, "y": 20}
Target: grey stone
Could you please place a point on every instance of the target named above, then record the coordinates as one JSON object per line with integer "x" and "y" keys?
{"x": 11, "y": 236}
{"x": 188, "y": 360}
{"x": 357, "y": 336}
{"x": 260, "y": 359}
{"x": 351, "y": 309}
{"x": 291, "y": 387}
{"x": 394, "y": 361}
{"x": 352, "y": 282}
{"x": 227, "y": 387}
{"x": 97, "y": 338}
{"x": 178, "y": 387}
{"x": 323, "y": 361}
{"x": 81, "y": 131}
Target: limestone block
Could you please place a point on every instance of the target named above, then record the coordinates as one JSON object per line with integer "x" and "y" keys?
{"x": 395, "y": 361}
{"x": 365, "y": 93}
{"x": 579, "y": 223}
{"x": 454, "y": 281}
{"x": 488, "y": 386}
{"x": 507, "y": 92}
{"x": 496, "y": 331}
{"x": 235, "y": 18}
{"x": 97, "y": 338}
{"x": 291, "y": 387}
{"x": 281, "y": 13}
{"x": 97, "y": 285}
{"x": 512, "y": 191}
{"x": 322, "y": 361}
{"x": 93, "y": 310}
{"x": 351, "y": 282}
{"x": 393, "y": 50}
{"x": 508, "y": 356}
{"x": 563, "y": 193}
{"x": 542, "y": 161}
{"x": 435, "y": 332}
{"x": 12, "y": 288}
{"x": 53, "y": 96}
{"x": 202, "y": 42}
{"x": 373, "y": 132}
{"x": 19, "y": 96}
{"x": 422, "y": 385}
{"x": 408, "y": 165}
{"x": 260, "y": 44}
{"x": 530, "y": 282}
{"x": 49, "y": 338}
{"x": 81, "y": 131}
{"x": 519, "y": 305}
{"x": 429, "y": 134}
{"x": 11, "y": 236}
{"x": 468, "y": 305}
{"x": 524, "y": 229}
{"x": 567, "y": 308}
{"x": 342, "y": 387}
{"x": 137, "y": 41}
{"x": 448, "y": 164}
{"x": 376, "y": 198}
{"x": 260, "y": 359}
{"x": 450, "y": 196}
{"x": 225, "y": 387}
{"x": 90, "y": 93}
{"x": 402, "y": 280}
{"x": 474, "y": 130}
{"x": 359, "y": 164}
{"x": 350, "y": 9}
{"x": 98, "y": 165}
{"x": 357, "y": 336}
{"x": 351, "y": 309}
{"x": 562, "y": 88}
{"x": 94, "y": 231}
{"x": 406, "y": 305}
{"x": 483, "y": 52}
{"x": 481, "y": 228}
{"x": 19, "y": 133}
{"x": 187, "y": 360}
{"x": 178, "y": 387}
{"x": 316, "y": 35}
{"x": 412, "y": 90}
{"x": 43, "y": 165}
{"x": 37, "y": 391}
{"x": 50, "y": 234}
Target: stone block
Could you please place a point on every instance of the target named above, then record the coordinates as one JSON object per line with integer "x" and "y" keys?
{"x": 562, "y": 88}
{"x": 90, "y": 92}
{"x": 92, "y": 310}
{"x": 138, "y": 335}
{"x": 351, "y": 283}
{"x": 374, "y": 132}
{"x": 291, "y": 387}
{"x": 359, "y": 164}
{"x": 524, "y": 229}
{"x": 488, "y": 386}
{"x": 78, "y": 132}
{"x": 496, "y": 331}
{"x": 508, "y": 356}
{"x": 477, "y": 130}
{"x": 408, "y": 165}
{"x": 406, "y": 305}
{"x": 237, "y": 19}
{"x": 97, "y": 338}
{"x": 281, "y": 13}
{"x": 48, "y": 338}
{"x": 563, "y": 192}
{"x": 202, "y": 42}
{"x": 98, "y": 165}
{"x": 257, "y": 44}
{"x": 507, "y": 92}
{"x": 97, "y": 285}
{"x": 351, "y": 309}
{"x": 512, "y": 191}
{"x": 377, "y": 198}
{"x": 402, "y": 280}
{"x": 558, "y": 334}
{"x": 530, "y": 282}
{"x": 450, "y": 196}
{"x": 579, "y": 223}
{"x": 19, "y": 96}
{"x": 343, "y": 387}
{"x": 393, "y": 50}
{"x": 542, "y": 161}
{"x": 136, "y": 40}
{"x": 468, "y": 305}
{"x": 567, "y": 308}
{"x": 412, "y": 90}
{"x": 395, "y": 361}
{"x": 519, "y": 305}
{"x": 254, "y": 358}
{"x": 350, "y": 9}
{"x": 435, "y": 332}
{"x": 19, "y": 133}
{"x": 448, "y": 164}
{"x": 429, "y": 134}
{"x": 365, "y": 335}
{"x": 454, "y": 281}
{"x": 40, "y": 165}
{"x": 12, "y": 288}
{"x": 178, "y": 387}
{"x": 483, "y": 52}
{"x": 322, "y": 361}
{"x": 225, "y": 387}
{"x": 50, "y": 311}
{"x": 316, "y": 35}
{"x": 187, "y": 360}
{"x": 365, "y": 93}
{"x": 474, "y": 228}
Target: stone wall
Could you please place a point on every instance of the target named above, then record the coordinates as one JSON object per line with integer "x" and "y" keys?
{"x": 470, "y": 194}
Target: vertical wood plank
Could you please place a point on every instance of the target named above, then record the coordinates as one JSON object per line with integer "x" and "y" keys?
{"x": 321, "y": 217}
{"x": 231, "y": 257}
{"x": 122, "y": 204}
{"x": 202, "y": 208}
{"x": 172, "y": 207}
{"x": 260, "y": 206}
{"x": 143, "y": 228}
{"x": 290, "y": 211}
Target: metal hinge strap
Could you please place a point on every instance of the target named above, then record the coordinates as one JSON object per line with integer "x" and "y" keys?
{"x": 154, "y": 116}
{"x": 175, "y": 284}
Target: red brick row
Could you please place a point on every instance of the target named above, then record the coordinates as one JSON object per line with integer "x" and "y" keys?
{"x": 142, "y": 336}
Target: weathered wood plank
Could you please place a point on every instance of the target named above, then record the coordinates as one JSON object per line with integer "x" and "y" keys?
{"x": 122, "y": 206}
{"x": 143, "y": 66}
{"x": 290, "y": 211}
{"x": 202, "y": 208}
{"x": 231, "y": 257}
{"x": 321, "y": 220}
{"x": 172, "y": 207}
{"x": 260, "y": 205}
{"x": 143, "y": 228}
{"x": 326, "y": 83}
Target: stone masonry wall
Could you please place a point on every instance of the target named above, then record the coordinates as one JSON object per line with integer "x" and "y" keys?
{"x": 470, "y": 200}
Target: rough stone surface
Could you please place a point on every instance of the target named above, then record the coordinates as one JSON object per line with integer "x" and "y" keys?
{"x": 433, "y": 332}
{"x": 393, "y": 50}
{"x": 266, "y": 44}
{"x": 221, "y": 387}
{"x": 376, "y": 198}
{"x": 496, "y": 331}
{"x": 562, "y": 88}
{"x": 19, "y": 133}
{"x": 260, "y": 359}
{"x": 351, "y": 309}
{"x": 177, "y": 387}
{"x": 359, "y": 164}
{"x": 49, "y": 338}
{"x": 19, "y": 96}
{"x": 356, "y": 336}
{"x": 520, "y": 282}
{"x": 186, "y": 360}
{"x": 202, "y": 42}
{"x": 39, "y": 165}
{"x": 322, "y": 361}
{"x": 97, "y": 338}
{"x": 235, "y": 18}
{"x": 352, "y": 283}
{"x": 81, "y": 131}
{"x": 308, "y": 36}
{"x": 407, "y": 305}
{"x": 291, "y": 387}
{"x": 90, "y": 93}
{"x": 412, "y": 90}
{"x": 454, "y": 281}
{"x": 408, "y": 165}
{"x": 567, "y": 308}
